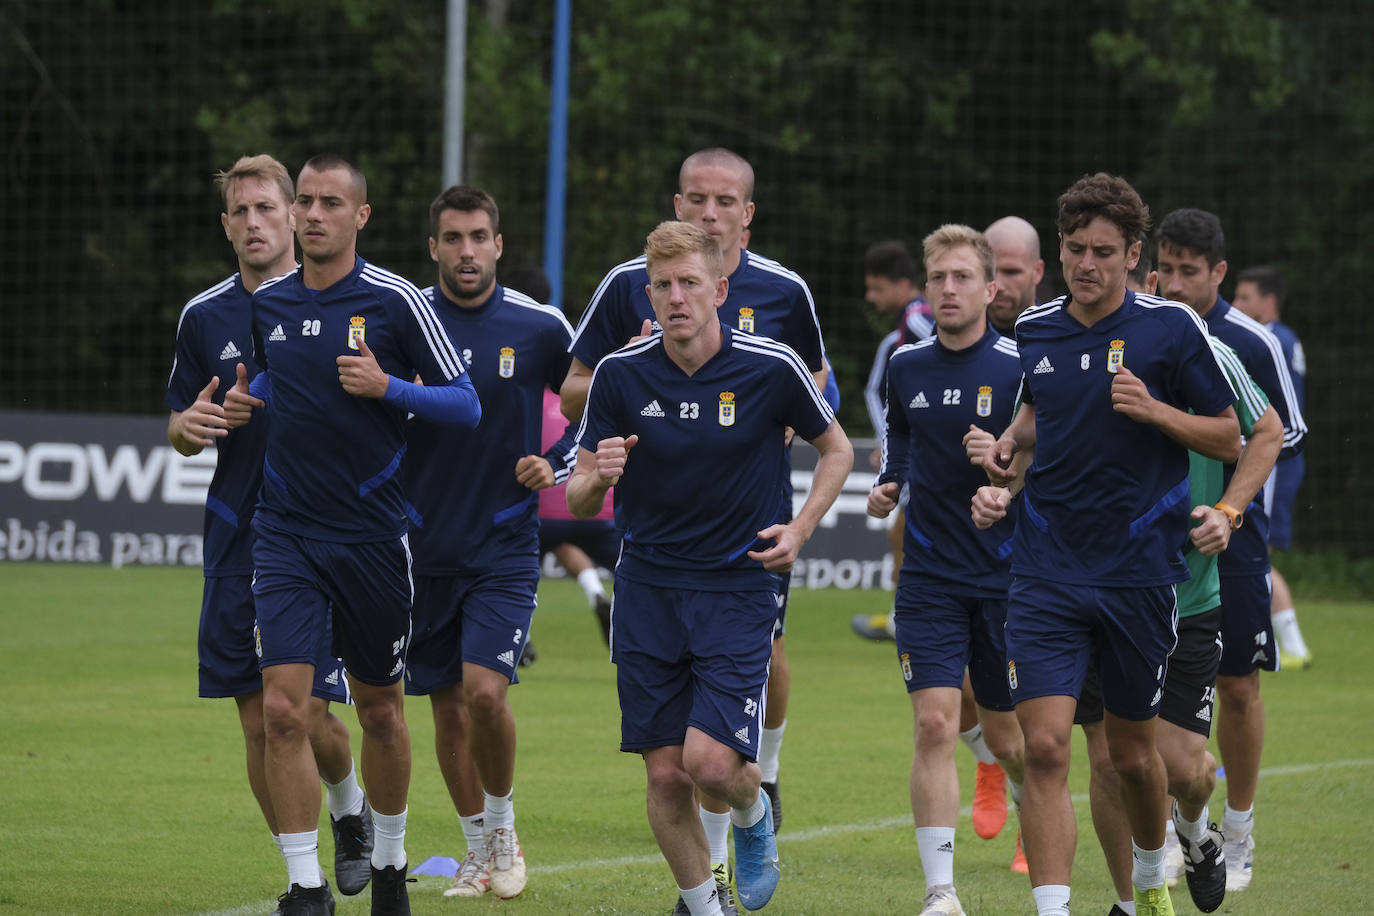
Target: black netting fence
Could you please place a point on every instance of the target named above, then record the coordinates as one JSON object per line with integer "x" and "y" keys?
{"x": 864, "y": 121}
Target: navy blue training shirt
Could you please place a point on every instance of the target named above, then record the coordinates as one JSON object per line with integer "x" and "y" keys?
{"x": 468, "y": 512}
{"x": 933, "y": 395}
{"x": 707, "y": 472}
{"x": 1261, "y": 353}
{"x": 332, "y": 470}
{"x": 213, "y": 337}
{"x": 1106, "y": 498}
{"x": 764, "y": 298}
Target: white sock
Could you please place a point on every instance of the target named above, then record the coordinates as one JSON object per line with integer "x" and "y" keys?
{"x": 748, "y": 817}
{"x": 936, "y": 846}
{"x": 302, "y": 861}
{"x": 701, "y": 900}
{"x": 1051, "y": 899}
{"x": 1147, "y": 867}
{"x": 717, "y": 827}
{"x": 1127, "y": 906}
{"x": 389, "y": 839}
{"x": 1236, "y": 825}
{"x": 974, "y": 739}
{"x": 770, "y": 745}
{"x": 1192, "y": 831}
{"x": 1288, "y": 633}
{"x": 590, "y": 580}
{"x": 276, "y": 841}
{"x": 498, "y": 811}
{"x": 472, "y": 831}
{"x": 1015, "y": 794}
{"x": 344, "y": 797}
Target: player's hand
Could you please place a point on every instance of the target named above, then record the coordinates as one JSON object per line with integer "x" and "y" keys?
{"x": 535, "y": 472}
{"x": 238, "y": 403}
{"x": 1214, "y": 534}
{"x": 203, "y": 422}
{"x": 1131, "y": 397}
{"x": 882, "y": 499}
{"x": 976, "y": 444}
{"x": 360, "y": 375}
{"x": 780, "y": 557}
{"x": 989, "y": 506}
{"x": 611, "y": 455}
{"x": 996, "y": 462}
{"x": 645, "y": 330}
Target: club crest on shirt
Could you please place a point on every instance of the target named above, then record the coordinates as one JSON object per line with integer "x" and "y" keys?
{"x": 1116, "y": 354}
{"x": 726, "y": 416}
{"x": 357, "y": 330}
{"x": 746, "y": 322}
{"x": 984, "y": 400}
{"x": 505, "y": 366}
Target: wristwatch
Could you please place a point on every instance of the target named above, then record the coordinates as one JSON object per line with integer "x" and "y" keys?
{"x": 1236, "y": 516}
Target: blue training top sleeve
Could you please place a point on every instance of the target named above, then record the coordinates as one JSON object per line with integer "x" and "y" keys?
{"x": 454, "y": 403}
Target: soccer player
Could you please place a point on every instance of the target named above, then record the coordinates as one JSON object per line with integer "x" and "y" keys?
{"x": 1108, "y": 383}
{"x": 1019, "y": 270}
{"x": 1186, "y": 710}
{"x": 716, "y": 188}
{"x": 337, "y": 340}
{"x": 212, "y": 336}
{"x": 951, "y": 598}
{"x": 1259, "y": 293}
{"x": 476, "y": 544}
{"x": 701, "y": 408}
{"x": 890, "y": 286}
{"x": 1192, "y": 265}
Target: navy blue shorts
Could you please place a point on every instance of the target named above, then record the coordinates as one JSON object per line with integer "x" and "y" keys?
{"x": 691, "y": 658}
{"x": 1247, "y": 629}
{"x": 302, "y": 587}
{"x": 228, "y": 645}
{"x": 1055, "y": 631}
{"x": 597, "y": 537}
{"x": 483, "y": 619}
{"x": 939, "y": 635}
{"x": 1190, "y": 685}
{"x": 1282, "y": 496}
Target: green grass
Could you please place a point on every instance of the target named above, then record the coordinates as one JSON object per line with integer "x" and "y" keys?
{"x": 124, "y": 793}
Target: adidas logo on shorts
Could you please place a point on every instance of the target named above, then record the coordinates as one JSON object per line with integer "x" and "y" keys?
{"x": 743, "y": 734}
{"x": 1205, "y": 713}
{"x": 230, "y": 351}
{"x": 507, "y": 658}
{"x": 652, "y": 410}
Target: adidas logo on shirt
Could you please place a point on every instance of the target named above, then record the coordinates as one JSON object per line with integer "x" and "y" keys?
{"x": 507, "y": 658}
{"x": 279, "y": 334}
{"x": 919, "y": 400}
{"x": 652, "y": 410}
{"x": 743, "y": 734}
{"x": 230, "y": 351}
{"x": 1043, "y": 366}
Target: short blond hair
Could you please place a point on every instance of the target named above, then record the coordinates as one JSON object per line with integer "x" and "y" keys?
{"x": 955, "y": 235}
{"x": 674, "y": 239}
{"x": 262, "y": 167}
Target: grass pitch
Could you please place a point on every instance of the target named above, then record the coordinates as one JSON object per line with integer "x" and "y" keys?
{"x": 125, "y": 793}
